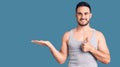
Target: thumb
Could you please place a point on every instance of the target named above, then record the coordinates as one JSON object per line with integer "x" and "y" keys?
{"x": 86, "y": 40}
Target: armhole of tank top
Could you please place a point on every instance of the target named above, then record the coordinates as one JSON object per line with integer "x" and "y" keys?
{"x": 95, "y": 36}
{"x": 70, "y": 36}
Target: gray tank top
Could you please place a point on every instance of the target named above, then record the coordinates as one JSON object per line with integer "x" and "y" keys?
{"x": 78, "y": 58}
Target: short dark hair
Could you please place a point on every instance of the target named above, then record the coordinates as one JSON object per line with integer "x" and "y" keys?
{"x": 83, "y": 4}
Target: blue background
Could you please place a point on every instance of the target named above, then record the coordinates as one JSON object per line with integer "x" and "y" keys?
{"x": 24, "y": 20}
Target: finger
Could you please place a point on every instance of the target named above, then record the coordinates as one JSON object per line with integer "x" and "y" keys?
{"x": 38, "y": 41}
{"x": 34, "y": 40}
{"x": 86, "y": 40}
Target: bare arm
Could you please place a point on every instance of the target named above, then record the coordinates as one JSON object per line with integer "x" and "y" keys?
{"x": 102, "y": 53}
{"x": 61, "y": 55}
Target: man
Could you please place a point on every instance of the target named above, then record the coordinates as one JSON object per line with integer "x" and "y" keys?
{"x": 83, "y": 44}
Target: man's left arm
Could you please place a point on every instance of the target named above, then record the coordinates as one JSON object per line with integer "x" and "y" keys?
{"x": 102, "y": 53}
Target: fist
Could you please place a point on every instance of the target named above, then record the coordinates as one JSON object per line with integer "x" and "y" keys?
{"x": 86, "y": 46}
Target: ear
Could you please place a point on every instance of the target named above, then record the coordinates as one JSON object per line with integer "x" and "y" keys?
{"x": 75, "y": 15}
{"x": 90, "y": 15}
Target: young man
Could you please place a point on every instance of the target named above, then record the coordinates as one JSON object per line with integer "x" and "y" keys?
{"x": 83, "y": 44}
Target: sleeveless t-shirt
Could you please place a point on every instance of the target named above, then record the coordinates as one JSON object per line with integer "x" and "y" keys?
{"x": 78, "y": 58}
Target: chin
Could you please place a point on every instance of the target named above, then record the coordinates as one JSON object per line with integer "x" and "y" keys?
{"x": 83, "y": 24}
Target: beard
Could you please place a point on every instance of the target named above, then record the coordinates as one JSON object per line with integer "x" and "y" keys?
{"x": 83, "y": 24}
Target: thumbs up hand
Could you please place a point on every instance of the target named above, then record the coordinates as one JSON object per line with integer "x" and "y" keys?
{"x": 86, "y": 46}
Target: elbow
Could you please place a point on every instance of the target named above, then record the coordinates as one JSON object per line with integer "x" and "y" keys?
{"x": 107, "y": 61}
{"x": 61, "y": 62}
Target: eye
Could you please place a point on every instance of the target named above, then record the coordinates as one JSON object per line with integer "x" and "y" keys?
{"x": 79, "y": 13}
{"x": 86, "y": 13}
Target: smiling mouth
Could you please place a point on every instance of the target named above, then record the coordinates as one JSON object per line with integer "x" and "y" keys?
{"x": 83, "y": 21}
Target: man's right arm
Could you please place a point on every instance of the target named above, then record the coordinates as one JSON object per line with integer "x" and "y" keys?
{"x": 61, "y": 55}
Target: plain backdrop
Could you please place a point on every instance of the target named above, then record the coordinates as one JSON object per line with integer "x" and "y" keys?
{"x": 24, "y": 20}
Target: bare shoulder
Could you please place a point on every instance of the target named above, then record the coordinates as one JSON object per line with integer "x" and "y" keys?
{"x": 101, "y": 41}
{"x": 66, "y": 35}
{"x": 99, "y": 34}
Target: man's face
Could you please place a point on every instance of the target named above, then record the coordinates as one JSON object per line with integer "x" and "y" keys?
{"x": 83, "y": 15}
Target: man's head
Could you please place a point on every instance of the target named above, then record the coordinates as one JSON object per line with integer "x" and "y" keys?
{"x": 83, "y": 13}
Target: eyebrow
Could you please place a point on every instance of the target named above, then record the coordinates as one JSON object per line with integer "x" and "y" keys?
{"x": 81, "y": 12}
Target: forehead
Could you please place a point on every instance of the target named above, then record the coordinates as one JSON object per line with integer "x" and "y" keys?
{"x": 83, "y": 9}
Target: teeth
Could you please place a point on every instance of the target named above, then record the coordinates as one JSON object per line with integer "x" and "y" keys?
{"x": 83, "y": 20}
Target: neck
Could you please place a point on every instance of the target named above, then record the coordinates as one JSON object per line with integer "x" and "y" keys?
{"x": 83, "y": 28}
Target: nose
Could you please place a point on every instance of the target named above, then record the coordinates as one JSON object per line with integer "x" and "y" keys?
{"x": 83, "y": 16}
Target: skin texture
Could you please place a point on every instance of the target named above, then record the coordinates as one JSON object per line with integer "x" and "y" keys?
{"x": 82, "y": 32}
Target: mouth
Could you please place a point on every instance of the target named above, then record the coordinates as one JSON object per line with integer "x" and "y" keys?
{"x": 83, "y": 20}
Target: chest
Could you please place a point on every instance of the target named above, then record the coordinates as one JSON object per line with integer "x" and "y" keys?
{"x": 82, "y": 36}
{"x": 76, "y": 40}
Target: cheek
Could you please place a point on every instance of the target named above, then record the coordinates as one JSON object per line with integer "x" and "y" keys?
{"x": 78, "y": 17}
{"x": 88, "y": 18}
